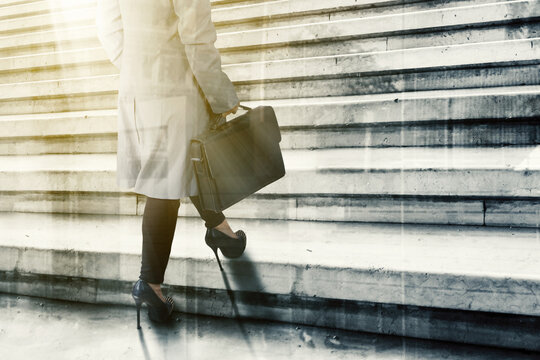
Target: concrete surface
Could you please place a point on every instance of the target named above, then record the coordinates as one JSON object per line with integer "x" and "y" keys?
{"x": 465, "y": 284}
{"x": 467, "y": 268}
{"x": 414, "y": 108}
{"x": 34, "y": 328}
{"x": 486, "y": 54}
{"x": 414, "y": 171}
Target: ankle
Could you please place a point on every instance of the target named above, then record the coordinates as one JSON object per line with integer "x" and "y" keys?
{"x": 226, "y": 229}
{"x": 157, "y": 290}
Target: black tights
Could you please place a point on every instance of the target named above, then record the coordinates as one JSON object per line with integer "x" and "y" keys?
{"x": 159, "y": 222}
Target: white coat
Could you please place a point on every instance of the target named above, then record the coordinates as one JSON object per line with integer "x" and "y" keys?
{"x": 170, "y": 71}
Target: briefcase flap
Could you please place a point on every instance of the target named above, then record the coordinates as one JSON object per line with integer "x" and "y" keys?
{"x": 238, "y": 141}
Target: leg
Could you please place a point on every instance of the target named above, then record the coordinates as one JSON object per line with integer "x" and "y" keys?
{"x": 159, "y": 222}
{"x": 213, "y": 219}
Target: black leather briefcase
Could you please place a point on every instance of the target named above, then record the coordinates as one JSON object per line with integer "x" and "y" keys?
{"x": 237, "y": 158}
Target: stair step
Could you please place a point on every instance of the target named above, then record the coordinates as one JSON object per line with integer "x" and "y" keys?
{"x": 357, "y": 26}
{"x": 480, "y": 117}
{"x": 201, "y": 334}
{"x": 58, "y": 19}
{"x": 513, "y": 31}
{"x": 271, "y": 13}
{"x": 288, "y": 8}
{"x": 100, "y": 92}
{"x": 512, "y": 211}
{"x": 82, "y": 37}
{"x": 440, "y": 58}
{"x": 49, "y": 41}
{"x": 41, "y": 7}
{"x": 229, "y": 21}
{"x": 59, "y": 87}
{"x": 15, "y": 2}
{"x": 484, "y": 54}
{"x": 515, "y": 52}
{"x": 512, "y": 171}
{"x": 476, "y": 15}
{"x": 469, "y": 272}
{"x": 234, "y": 13}
{"x": 57, "y": 124}
{"x": 488, "y": 133}
{"x": 415, "y": 107}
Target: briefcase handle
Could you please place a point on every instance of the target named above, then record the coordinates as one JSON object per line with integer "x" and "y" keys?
{"x": 217, "y": 121}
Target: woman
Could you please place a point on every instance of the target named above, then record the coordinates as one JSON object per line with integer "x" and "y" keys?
{"x": 170, "y": 84}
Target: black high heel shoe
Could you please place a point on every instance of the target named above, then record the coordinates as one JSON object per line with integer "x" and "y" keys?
{"x": 230, "y": 247}
{"x": 158, "y": 310}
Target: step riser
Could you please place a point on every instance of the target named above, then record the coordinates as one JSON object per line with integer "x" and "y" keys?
{"x": 47, "y": 16}
{"x": 362, "y": 285}
{"x": 62, "y": 104}
{"x": 79, "y": 39}
{"x": 73, "y": 203}
{"x": 65, "y": 65}
{"x": 501, "y": 14}
{"x": 275, "y": 14}
{"x": 491, "y": 134}
{"x": 444, "y": 38}
{"x": 488, "y": 134}
{"x": 277, "y": 9}
{"x": 57, "y": 20}
{"x": 61, "y": 65}
{"x": 34, "y": 8}
{"x": 440, "y": 108}
{"x": 32, "y": 43}
{"x": 421, "y": 322}
{"x": 68, "y": 71}
{"x": 415, "y": 183}
{"x": 436, "y": 18}
{"x": 94, "y": 144}
{"x": 384, "y": 182}
{"x": 466, "y": 78}
{"x": 468, "y": 212}
{"x": 499, "y": 212}
{"x": 61, "y": 124}
{"x": 524, "y": 213}
{"x": 219, "y": 16}
{"x": 48, "y": 46}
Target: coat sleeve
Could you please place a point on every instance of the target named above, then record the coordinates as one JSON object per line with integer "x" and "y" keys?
{"x": 198, "y": 35}
{"x": 110, "y": 29}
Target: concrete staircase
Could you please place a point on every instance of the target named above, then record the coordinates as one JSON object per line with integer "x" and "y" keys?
{"x": 402, "y": 122}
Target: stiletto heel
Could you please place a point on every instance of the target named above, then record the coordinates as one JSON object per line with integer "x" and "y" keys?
{"x": 217, "y": 257}
{"x": 230, "y": 247}
{"x": 138, "y": 304}
{"x": 157, "y": 309}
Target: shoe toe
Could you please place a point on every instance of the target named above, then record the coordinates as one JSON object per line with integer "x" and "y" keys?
{"x": 238, "y": 248}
